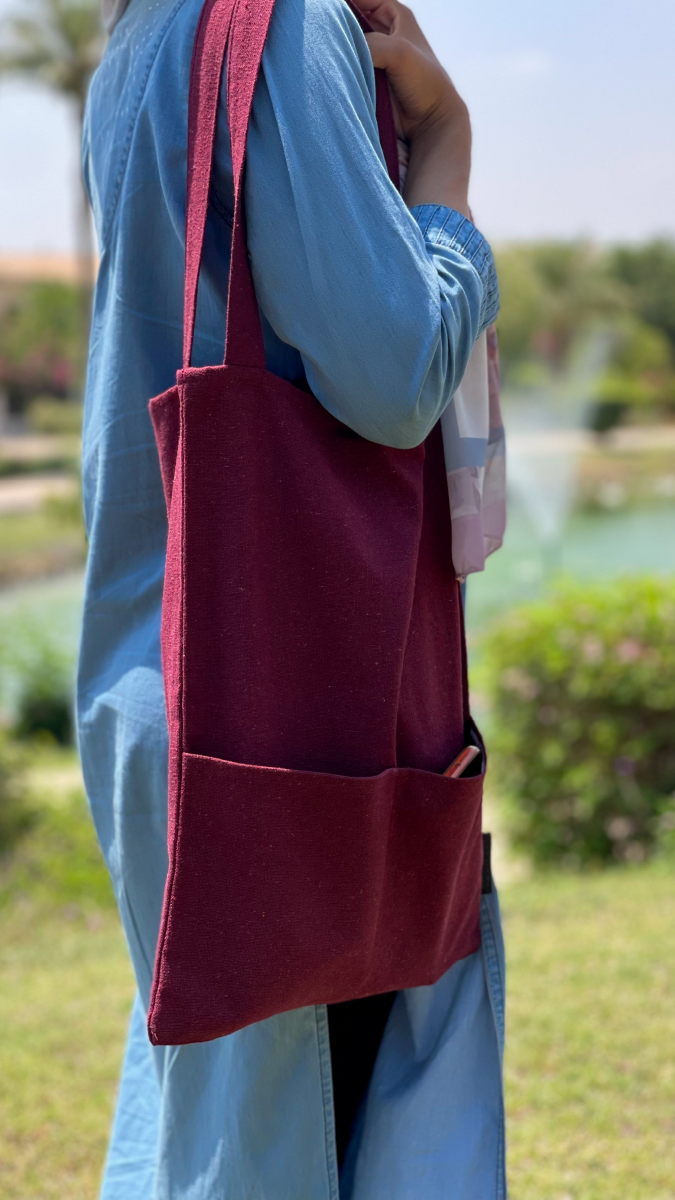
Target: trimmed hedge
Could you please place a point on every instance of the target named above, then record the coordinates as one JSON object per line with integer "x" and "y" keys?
{"x": 42, "y": 700}
{"x": 583, "y": 699}
{"x": 16, "y": 817}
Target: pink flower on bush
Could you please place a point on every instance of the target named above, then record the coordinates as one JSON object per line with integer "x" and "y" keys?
{"x": 518, "y": 681}
{"x": 592, "y": 649}
{"x": 629, "y": 650}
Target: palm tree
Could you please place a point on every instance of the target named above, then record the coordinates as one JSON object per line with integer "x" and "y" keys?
{"x": 59, "y": 43}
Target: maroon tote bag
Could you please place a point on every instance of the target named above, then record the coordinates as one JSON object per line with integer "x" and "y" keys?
{"x": 314, "y": 663}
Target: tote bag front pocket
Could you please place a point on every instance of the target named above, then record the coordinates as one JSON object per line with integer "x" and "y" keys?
{"x": 296, "y": 887}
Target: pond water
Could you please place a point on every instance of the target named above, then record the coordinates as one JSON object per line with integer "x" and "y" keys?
{"x": 592, "y": 547}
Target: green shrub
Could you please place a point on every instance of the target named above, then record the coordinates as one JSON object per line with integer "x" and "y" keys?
{"x": 16, "y": 816}
{"x": 40, "y": 697}
{"x": 42, "y": 345}
{"x": 44, "y": 711}
{"x": 59, "y": 862}
{"x": 583, "y": 697}
{"x": 45, "y": 704}
{"x": 46, "y": 415}
{"x": 66, "y": 510}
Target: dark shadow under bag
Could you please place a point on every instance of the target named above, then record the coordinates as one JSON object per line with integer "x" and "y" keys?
{"x": 314, "y": 663}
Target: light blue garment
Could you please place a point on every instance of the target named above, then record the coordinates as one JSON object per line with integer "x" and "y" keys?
{"x": 250, "y": 1117}
{"x": 382, "y": 324}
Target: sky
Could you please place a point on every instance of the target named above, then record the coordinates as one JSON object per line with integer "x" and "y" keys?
{"x": 573, "y": 110}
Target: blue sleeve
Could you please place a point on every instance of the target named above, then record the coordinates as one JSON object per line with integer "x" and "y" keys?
{"x": 383, "y": 304}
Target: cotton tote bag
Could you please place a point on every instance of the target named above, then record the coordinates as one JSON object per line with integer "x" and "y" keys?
{"x": 314, "y": 662}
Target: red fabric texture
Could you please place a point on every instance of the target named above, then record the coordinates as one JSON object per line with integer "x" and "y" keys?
{"x": 314, "y": 665}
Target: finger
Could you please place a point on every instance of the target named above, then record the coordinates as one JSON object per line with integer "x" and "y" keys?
{"x": 380, "y": 13}
{"x": 405, "y": 24}
{"x": 387, "y": 7}
{"x": 389, "y": 16}
{"x": 389, "y": 52}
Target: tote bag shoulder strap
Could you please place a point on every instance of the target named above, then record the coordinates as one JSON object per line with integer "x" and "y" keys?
{"x": 208, "y": 56}
{"x": 215, "y": 34}
{"x": 240, "y": 27}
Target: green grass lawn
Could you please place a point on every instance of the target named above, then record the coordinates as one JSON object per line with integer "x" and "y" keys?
{"x": 590, "y": 1068}
{"x": 591, "y": 1024}
{"x": 65, "y": 989}
{"x": 65, "y": 994}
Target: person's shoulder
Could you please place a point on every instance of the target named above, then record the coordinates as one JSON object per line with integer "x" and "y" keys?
{"x": 319, "y": 37}
{"x": 318, "y": 14}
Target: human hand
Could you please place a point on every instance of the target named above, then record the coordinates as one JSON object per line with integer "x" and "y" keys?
{"x": 432, "y": 115}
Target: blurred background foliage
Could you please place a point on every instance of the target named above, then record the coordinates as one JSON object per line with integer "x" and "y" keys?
{"x": 41, "y": 345}
{"x": 16, "y": 815}
{"x": 583, "y": 706}
{"x": 553, "y": 293}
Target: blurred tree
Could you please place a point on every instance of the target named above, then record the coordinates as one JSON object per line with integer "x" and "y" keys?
{"x": 41, "y": 345}
{"x": 554, "y": 294}
{"x": 648, "y": 274}
{"x": 579, "y": 292}
{"x": 551, "y": 293}
{"x": 523, "y": 304}
{"x": 59, "y": 43}
{"x": 642, "y": 372}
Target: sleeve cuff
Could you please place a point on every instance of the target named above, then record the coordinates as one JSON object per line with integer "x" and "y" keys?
{"x": 446, "y": 227}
